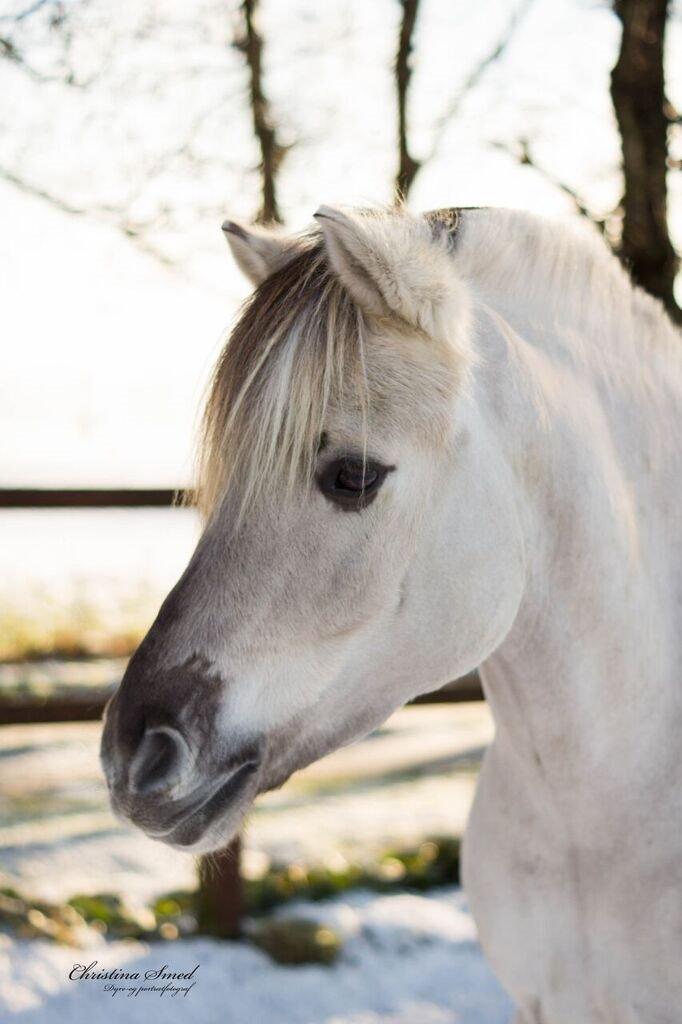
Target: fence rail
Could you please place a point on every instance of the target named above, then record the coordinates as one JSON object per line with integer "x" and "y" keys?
{"x": 84, "y": 707}
{"x": 89, "y": 497}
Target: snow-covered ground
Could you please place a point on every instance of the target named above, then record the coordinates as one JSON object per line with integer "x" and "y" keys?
{"x": 413, "y": 778}
{"x": 406, "y": 959}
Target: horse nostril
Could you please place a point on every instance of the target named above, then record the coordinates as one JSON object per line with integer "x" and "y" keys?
{"x": 159, "y": 760}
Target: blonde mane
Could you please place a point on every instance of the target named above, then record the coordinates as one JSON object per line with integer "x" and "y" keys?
{"x": 298, "y": 342}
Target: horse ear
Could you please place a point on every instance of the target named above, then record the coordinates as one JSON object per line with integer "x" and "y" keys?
{"x": 350, "y": 255}
{"x": 393, "y": 263}
{"x": 257, "y": 252}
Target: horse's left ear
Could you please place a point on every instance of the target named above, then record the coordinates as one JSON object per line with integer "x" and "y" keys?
{"x": 257, "y": 252}
{"x": 396, "y": 264}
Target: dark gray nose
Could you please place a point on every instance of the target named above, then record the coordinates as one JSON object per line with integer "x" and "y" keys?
{"x": 160, "y": 761}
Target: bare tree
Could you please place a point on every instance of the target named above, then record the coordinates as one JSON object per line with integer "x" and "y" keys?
{"x": 642, "y": 112}
{"x": 637, "y": 228}
{"x": 74, "y": 58}
{"x": 272, "y": 152}
{"x": 408, "y": 165}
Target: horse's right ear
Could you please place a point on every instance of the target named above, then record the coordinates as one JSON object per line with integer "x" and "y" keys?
{"x": 257, "y": 252}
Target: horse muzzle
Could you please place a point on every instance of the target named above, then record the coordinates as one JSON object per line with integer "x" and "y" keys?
{"x": 189, "y": 792}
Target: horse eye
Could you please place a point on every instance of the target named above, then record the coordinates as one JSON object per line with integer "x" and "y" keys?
{"x": 352, "y": 483}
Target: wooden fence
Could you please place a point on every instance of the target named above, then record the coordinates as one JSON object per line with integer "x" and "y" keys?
{"x": 91, "y": 497}
{"x": 220, "y": 880}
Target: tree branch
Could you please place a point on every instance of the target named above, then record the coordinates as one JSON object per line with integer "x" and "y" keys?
{"x": 59, "y": 21}
{"x": 475, "y": 76}
{"x": 109, "y": 214}
{"x": 523, "y": 155}
{"x": 27, "y": 12}
{"x": 10, "y": 52}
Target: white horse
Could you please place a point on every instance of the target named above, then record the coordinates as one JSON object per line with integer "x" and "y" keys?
{"x": 435, "y": 443}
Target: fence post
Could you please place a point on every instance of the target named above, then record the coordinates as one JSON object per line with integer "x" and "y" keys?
{"x": 221, "y": 897}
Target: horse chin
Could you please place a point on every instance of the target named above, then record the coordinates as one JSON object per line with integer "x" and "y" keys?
{"x": 216, "y": 822}
{"x": 197, "y": 838}
{"x": 213, "y": 840}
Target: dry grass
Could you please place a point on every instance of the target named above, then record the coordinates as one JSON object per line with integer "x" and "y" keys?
{"x": 78, "y": 627}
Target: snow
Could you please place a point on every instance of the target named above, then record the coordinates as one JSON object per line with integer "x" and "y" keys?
{"x": 407, "y": 959}
{"x": 412, "y": 779}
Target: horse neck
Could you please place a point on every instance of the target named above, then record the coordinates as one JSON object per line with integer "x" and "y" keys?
{"x": 592, "y": 660}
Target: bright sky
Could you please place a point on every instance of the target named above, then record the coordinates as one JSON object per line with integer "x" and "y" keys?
{"x": 106, "y": 351}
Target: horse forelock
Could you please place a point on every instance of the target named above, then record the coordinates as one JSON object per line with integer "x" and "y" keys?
{"x": 297, "y": 344}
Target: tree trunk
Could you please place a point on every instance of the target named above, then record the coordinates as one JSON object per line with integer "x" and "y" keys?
{"x": 272, "y": 153}
{"x": 638, "y": 94}
{"x": 407, "y": 165}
